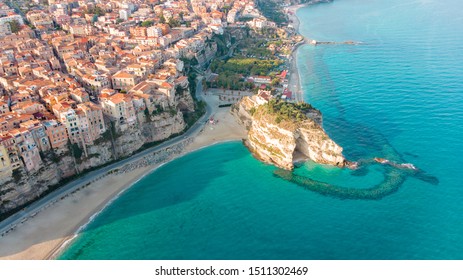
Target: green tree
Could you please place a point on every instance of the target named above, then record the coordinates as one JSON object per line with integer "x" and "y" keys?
{"x": 172, "y": 111}
{"x": 252, "y": 111}
{"x": 76, "y": 151}
{"x": 99, "y": 11}
{"x": 173, "y": 22}
{"x": 158, "y": 110}
{"x": 147, "y": 23}
{"x": 162, "y": 19}
{"x": 226, "y": 9}
{"x": 275, "y": 82}
{"x": 14, "y": 26}
{"x": 147, "y": 115}
{"x": 17, "y": 175}
{"x": 96, "y": 10}
{"x": 178, "y": 91}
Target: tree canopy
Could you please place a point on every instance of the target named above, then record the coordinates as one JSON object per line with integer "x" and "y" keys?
{"x": 147, "y": 23}
{"x": 96, "y": 10}
{"x": 14, "y": 26}
{"x": 162, "y": 19}
{"x": 173, "y": 23}
{"x": 245, "y": 66}
{"x": 287, "y": 111}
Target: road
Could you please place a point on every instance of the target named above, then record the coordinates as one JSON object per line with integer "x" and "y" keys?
{"x": 230, "y": 52}
{"x": 35, "y": 207}
{"x": 16, "y": 8}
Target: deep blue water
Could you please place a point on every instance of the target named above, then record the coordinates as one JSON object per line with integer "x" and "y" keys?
{"x": 398, "y": 95}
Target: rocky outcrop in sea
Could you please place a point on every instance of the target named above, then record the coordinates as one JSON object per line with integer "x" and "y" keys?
{"x": 282, "y": 133}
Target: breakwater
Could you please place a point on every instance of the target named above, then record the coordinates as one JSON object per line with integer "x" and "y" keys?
{"x": 394, "y": 176}
{"x": 391, "y": 183}
{"x": 315, "y": 42}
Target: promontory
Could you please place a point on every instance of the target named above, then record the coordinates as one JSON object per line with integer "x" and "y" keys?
{"x": 282, "y": 133}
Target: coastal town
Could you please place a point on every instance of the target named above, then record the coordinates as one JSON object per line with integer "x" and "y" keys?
{"x": 87, "y": 83}
{"x": 219, "y": 130}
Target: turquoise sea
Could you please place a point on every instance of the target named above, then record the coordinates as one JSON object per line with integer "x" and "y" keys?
{"x": 399, "y": 95}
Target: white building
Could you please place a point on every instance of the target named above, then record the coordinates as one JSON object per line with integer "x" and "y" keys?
{"x": 154, "y": 31}
{"x": 18, "y": 18}
{"x": 231, "y": 17}
{"x": 124, "y": 14}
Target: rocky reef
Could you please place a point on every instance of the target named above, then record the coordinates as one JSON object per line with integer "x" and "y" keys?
{"x": 282, "y": 133}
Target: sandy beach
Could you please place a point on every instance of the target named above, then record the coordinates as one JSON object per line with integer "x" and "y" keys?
{"x": 225, "y": 128}
{"x": 294, "y": 84}
{"x": 43, "y": 236}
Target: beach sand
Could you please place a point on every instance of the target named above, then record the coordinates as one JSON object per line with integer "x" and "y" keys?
{"x": 42, "y": 236}
{"x": 294, "y": 81}
{"x": 226, "y": 128}
{"x": 39, "y": 237}
{"x": 292, "y": 15}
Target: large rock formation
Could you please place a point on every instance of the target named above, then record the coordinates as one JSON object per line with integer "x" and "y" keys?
{"x": 282, "y": 133}
{"x": 24, "y": 187}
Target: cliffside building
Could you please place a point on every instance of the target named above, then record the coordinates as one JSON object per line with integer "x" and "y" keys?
{"x": 120, "y": 108}
{"x": 5, "y": 164}
{"x": 57, "y": 134}
{"x": 124, "y": 81}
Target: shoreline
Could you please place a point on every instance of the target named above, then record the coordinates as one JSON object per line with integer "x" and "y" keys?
{"x": 48, "y": 233}
{"x": 41, "y": 236}
{"x": 294, "y": 83}
{"x": 65, "y": 243}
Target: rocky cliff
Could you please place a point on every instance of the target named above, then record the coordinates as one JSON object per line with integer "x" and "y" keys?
{"x": 282, "y": 133}
{"x": 23, "y": 187}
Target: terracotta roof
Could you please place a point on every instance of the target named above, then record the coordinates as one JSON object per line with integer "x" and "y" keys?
{"x": 123, "y": 75}
{"x": 283, "y": 74}
{"x": 117, "y": 98}
{"x": 134, "y": 66}
{"x": 166, "y": 85}
{"x": 181, "y": 79}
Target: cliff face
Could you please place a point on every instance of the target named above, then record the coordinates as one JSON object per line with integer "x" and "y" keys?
{"x": 23, "y": 187}
{"x": 284, "y": 141}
